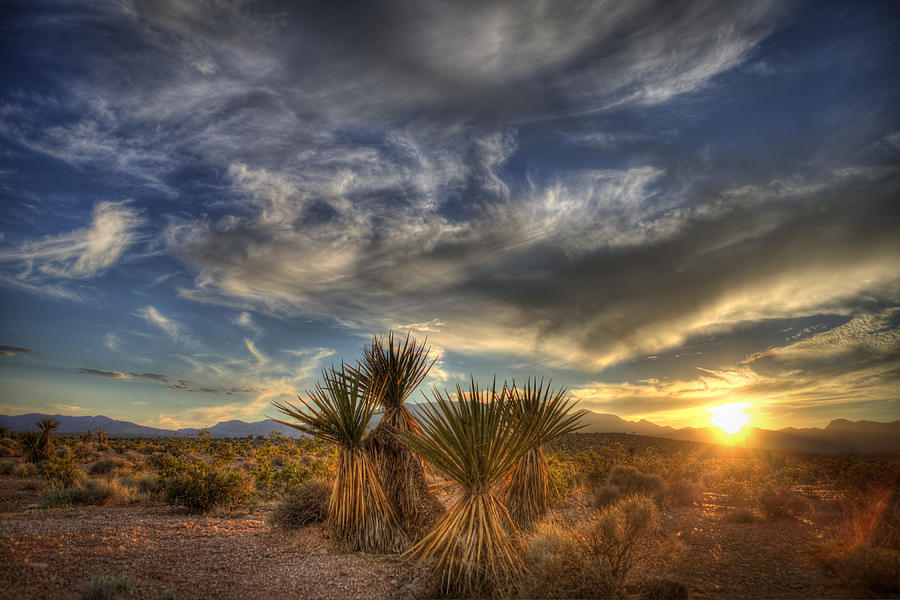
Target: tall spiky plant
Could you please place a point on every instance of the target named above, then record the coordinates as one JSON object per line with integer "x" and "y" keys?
{"x": 397, "y": 370}
{"x": 471, "y": 440}
{"x": 526, "y": 492}
{"x": 44, "y": 445}
{"x": 339, "y": 410}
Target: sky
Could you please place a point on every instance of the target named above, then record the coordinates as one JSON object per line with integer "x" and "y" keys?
{"x": 663, "y": 206}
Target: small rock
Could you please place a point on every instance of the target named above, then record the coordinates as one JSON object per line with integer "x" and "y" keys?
{"x": 38, "y": 565}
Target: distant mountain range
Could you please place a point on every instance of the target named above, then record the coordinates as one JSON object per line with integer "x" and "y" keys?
{"x": 838, "y": 436}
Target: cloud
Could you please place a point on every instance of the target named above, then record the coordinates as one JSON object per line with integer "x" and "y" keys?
{"x": 154, "y": 376}
{"x": 14, "y": 350}
{"x": 172, "y": 328}
{"x": 112, "y": 341}
{"x": 79, "y": 254}
{"x": 110, "y": 374}
{"x": 260, "y": 357}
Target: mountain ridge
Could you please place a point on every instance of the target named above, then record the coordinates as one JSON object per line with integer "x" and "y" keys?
{"x": 838, "y": 436}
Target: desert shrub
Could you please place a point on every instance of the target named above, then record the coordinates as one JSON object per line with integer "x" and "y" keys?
{"x": 607, "y": 494}
{"x": 627, "y": 481}
{"x": 203, "y": 490}
{"x": 561, "y": 475}
{"x": 60, "y": 472}
{"x": 615, "y": 544}
{"x": 57, "y": 498}
{"x": 682, "y": 492}
{"x": 102, "y": 587}
{"x": 26, "y": 469}
{"x": 633, "y": 481}
{"x": 555, "y": 559}
{"x": 303, "y": 504}
{"x": 8, "y": 447}
{"x": 103, "y": 492}
{"x": 7, "y": 467}
{"x": 107, "y": 465}
{"x": 147, "y": 484}
{"x": 166, "y": 595}
{"x": 776, "y": 502}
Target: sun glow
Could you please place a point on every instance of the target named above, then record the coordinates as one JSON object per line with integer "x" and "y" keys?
{"x": 730, "y": 418}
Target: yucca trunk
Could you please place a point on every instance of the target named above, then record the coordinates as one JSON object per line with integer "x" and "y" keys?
{"x": 402, "y": 475}
{"x": 471, "y": 548}
{"x": 527, "y": 491}
{"x": 359, "y": 512}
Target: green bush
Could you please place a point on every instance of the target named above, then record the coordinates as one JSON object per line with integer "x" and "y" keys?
{"x": 304, "y": 504}
{"x": 60, "y": 472}
{"x": 201, "y": 491}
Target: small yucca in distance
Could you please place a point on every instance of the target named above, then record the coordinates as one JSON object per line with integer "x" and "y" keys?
{"x": 470, "y": 439}
{"x": 339, "y": 410}
{"x": 547, "y": 413}
{"x": 397, "y": 369}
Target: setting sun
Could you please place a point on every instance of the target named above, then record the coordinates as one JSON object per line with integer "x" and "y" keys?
{"x": 730, "y": 417}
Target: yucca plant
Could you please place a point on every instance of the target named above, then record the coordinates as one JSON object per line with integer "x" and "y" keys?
{"x": 339, "y": 410}
{"x": 397, "y": 370}
{"x": 526, "y": 491}
{"x": 472, "y": 442}
{"x": 44, "y": 446}
{"x": 29, "y": 440}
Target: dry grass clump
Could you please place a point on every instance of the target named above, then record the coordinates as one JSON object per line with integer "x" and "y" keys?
{"x": 555, "y": 557}
{"x": 101, "y": 492}
{"x": 339, "y": 411}
{"x": 107, "y": 465}
{"x": 102, "y": 587}
{"x": 303, "y": 504}
{"x": 682, "y": 492}
{"x": 777, "y": 503}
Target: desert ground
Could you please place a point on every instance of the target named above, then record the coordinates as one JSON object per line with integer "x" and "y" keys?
{"x": 728, "y": 523}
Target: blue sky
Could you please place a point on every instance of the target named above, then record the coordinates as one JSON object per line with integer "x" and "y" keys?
{"x": 663, "y": 206}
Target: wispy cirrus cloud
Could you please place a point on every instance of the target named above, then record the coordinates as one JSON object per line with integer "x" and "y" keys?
{"x": 79, "y": 254}
{"x": 175, "y": 330}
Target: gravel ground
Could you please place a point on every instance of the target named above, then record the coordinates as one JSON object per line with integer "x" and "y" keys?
{"x": 53, "y": 553}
